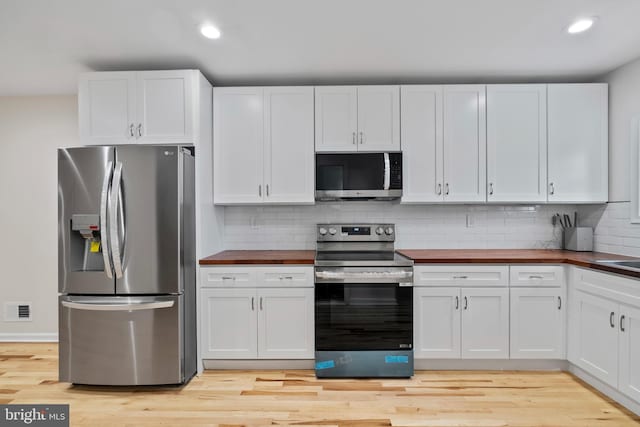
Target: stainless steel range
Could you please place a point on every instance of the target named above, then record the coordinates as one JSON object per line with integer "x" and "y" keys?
{"x": 363, "y": 303}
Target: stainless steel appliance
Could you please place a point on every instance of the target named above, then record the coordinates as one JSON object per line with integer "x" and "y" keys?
{"x": 357, "y": 176}
{"x": 363, "y": 303}
{"x": 126, "y": 265}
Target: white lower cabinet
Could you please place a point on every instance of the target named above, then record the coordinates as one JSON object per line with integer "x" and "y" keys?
{"x": 485, "y": 323}
{"x": 231, "y": 327}
{"x": 594, "y": 338}
{"x": 452, "y": 322}
{"x": 537, "y": 323}
{"x": 285, "y": 323}
{"x": 604, "y": 329}
{"x": 437, "y": 323}
{"x": 257, "y": 313}
{"x": 629, "y": 369}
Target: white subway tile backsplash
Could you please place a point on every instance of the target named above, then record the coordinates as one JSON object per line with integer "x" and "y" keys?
{"x": 613, "y": 230}
{"x": 417, "y": 226}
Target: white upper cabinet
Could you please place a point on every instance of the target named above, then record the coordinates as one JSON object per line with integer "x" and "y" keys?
{"x": 517, "y": 143}
{"x": 577, "y": 143}
{"x": 107, "y": 107}
{"x": 357, "y": 118}
{"x": 378, "y": 118}
{"x": 465, "y": 143}
{"x": 336, "y": 113}
{"x": 154, "y": 107}
{"x": 421, "y": 134}
{"x": 289, "y": 155}
{"x": 263, "y": 145}
{"x": 164, "y": 106}
{"x": 237, "y": 145}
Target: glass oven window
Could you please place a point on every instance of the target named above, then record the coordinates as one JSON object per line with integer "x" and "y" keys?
{"x": 363, "y": 316}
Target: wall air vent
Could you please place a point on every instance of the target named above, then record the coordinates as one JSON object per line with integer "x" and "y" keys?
{"x": 17, "y": 312}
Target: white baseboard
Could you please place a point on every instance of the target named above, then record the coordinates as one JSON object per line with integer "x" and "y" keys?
{"x": 605, "y": 389}
{"x": 490, "y": 364}
{"x": 28, "y": 337}
{"x": 258, "y": 364}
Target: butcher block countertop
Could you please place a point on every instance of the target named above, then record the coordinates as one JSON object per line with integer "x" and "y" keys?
{"x": 516, "y": 256}
{"x": 260, "y": 257}
{"x": 436, "y": 256}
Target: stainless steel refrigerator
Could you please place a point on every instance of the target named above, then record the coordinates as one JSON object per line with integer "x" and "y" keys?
{"x": 126, "y": 265}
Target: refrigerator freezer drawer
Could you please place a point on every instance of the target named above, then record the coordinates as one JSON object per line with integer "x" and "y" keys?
{"x": 122, "y": 340}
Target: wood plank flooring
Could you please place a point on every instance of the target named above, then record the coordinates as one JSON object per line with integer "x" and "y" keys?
{"x": 28, "y": 374}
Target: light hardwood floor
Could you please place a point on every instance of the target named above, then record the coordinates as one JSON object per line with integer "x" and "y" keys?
{"x": 28, "y": 374}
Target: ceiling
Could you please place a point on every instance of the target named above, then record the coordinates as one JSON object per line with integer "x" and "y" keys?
{"x": 45, "y": 44}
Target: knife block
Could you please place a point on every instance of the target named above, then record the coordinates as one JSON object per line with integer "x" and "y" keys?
{"x": 579, "y": 239}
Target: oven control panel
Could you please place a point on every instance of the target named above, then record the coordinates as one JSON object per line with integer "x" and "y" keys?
{"x": 356, "y": 232}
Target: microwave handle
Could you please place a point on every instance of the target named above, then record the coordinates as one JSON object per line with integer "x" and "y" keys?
{"x": 387, "y": 172}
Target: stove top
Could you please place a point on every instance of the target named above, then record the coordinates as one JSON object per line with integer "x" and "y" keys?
{"x": 361, "y": 258}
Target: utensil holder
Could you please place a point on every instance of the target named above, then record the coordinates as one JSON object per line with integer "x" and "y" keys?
{"x": 579, "y": 239}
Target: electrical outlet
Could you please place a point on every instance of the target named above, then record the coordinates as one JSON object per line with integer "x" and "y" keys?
{"x": 470, "y": 221}
{"x": 17, "y": 312}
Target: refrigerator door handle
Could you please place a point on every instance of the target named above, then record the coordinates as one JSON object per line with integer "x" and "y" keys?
{"x": 113, "y": 220}
{"x": 118, "y": 307}
{"x": 104, "y": 238}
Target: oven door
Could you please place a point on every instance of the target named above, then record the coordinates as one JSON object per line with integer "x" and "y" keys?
{"x": 363, "y": 316}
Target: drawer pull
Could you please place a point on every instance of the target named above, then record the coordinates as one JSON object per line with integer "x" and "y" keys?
{"x": 286, "y": 277}
{"x": 460, "y": 277}
{"x": 228, "y": 278}
{"x": 532, "y": 276}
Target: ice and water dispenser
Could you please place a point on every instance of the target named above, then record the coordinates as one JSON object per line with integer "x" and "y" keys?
{"x": 86, "y": 248}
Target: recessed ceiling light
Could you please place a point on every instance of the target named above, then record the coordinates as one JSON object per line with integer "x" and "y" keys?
{"x": 580, "y": 25}
{"x": 210, "y": 32}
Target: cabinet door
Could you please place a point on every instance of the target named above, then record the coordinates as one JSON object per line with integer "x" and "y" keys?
{"x": 421, "y": 134}
{"x": 106, "y": 108}
{"x": 595, "y": 337}
{"x": 378, "y": 118}
{"x": 238, "y": 145}
{"x": 465, "y": 143}
{"x": 537, "y": 323}
{"x": 629, "y": 326}
{"x": 165, "y": 107}
{"x": 578, "y": 142}
{"x": 289, "y": 154}
{"x": 517, "y": 143}
{"x": 336, "y": 118}
{"x": 286, "y": 323}
{"x": 229, "y": 324}
{"x": 485, "y": 323}
{"x": 437, "y": 323}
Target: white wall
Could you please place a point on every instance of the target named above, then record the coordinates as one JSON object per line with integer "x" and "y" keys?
{"x": 624, "y": 104}
{"x": 425, "y": 226}
{"x": 31, "y": 129}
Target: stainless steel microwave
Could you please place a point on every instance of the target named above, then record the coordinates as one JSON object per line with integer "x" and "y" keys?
{"x": 358, "y": 176}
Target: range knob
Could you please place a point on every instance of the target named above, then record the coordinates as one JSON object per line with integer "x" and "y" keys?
{"x": 322, "y": 231}
{"x": 379, "y": 231}
{"x": 332, "y": 231}
{"x": 388, "y": 231}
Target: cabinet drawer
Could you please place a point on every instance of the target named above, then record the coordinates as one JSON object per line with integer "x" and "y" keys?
{"x": 461, "y": 275}
{"x": 537, "y": 275}
{"x": 227, "y": 277}
{"x": 276, "y": 277}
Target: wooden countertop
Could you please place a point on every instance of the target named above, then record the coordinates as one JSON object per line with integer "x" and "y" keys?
{"x": 437, "y": 256}
{"x": 260, "y": 257}
{"x": 516, "y": 256}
